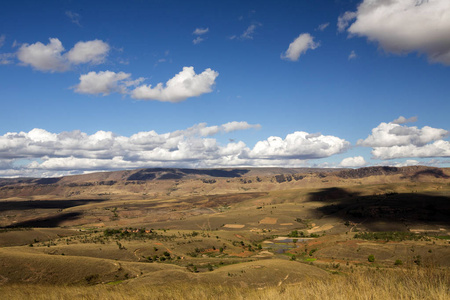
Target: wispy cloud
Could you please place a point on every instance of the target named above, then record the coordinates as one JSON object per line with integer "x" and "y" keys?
{"x": 2, "y": 40}
{"x": 323, "y": 26}
{"x": 200, "y": 31}
{"x": 197, "y": 40}
{"x": 74, "y": 17}
{"x": 249, "y": 32}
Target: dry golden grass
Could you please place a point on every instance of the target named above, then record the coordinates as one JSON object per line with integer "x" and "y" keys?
{"x": 408, "y": 283}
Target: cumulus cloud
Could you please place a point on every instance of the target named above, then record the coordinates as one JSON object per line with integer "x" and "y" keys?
{"x": 391, "y": 134}
{"x": 88, "y": 52}
{"x": 299, "y": 145}
{"x": 353, "y": 162}
{"x": 104, "y": 82}
{"x": 233, "y": 126}
{"x": 44, "y": 57}
{"x": 408, "y": 162}
{"x": 403, "y": 120}
{"x": 77, "y": 151}
{"x": 436, "y": 149}
{"x": 403, "y": 26}
{"x": 392, "y": 140}
{"x": 299, "y": 46}
{"x": 50, "y": 57}
{"x": 200, "y": 31}
{"x": 183, "y": 85}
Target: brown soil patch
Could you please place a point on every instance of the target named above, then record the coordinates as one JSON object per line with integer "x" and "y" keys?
{"x": 269, "y": 221}
{"x": 286, "y": 224}
{"x": 235, "y": 226}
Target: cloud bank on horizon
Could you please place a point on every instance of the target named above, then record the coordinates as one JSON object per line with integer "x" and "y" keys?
{"x": 195, "y": 147}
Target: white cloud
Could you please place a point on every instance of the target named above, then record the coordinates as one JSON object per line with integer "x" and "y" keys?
{"x": 299, "y": 46}
{"x": 183, "y": 85}
{"x": 104, "y": 82}
{"x": 391, "y": 134}
{"x": 299, "y": 145}
{"x": 233, "y": 126}
{"x": 323, "y": 26}
{"x": 200, "y": 31}
{"x": 408, "y": 162}
{"x": 88, "y": 52}
{"x": 197, "y": 40}
{"x": 44, "y": 57}
{"x": 404, "y": 26}
{"x": 439, "y": 148}
{"x": 403, "y": 120}
{"x": 76, "y": 151}
{"x": 353, "y": 162}
{"x": 392, "y": 140}
{"x": 345, "y": 19}
{"x": 50, "y": 58}
{"x": 352, "y": 55}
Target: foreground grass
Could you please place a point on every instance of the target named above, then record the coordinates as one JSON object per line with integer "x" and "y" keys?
{"x": 408, "y": 283}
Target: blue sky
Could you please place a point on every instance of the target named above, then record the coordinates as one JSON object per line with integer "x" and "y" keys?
{"x": 252, "y": 83}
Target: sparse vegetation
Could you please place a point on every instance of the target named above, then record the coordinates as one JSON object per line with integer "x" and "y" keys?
{"x": 389, "y": 236}
{"x": 222, "y": 238}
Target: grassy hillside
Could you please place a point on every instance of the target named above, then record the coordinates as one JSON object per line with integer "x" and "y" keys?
{"x": 238, "y": 233}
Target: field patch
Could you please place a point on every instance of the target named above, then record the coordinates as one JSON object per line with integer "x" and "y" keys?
{"x": 268, "y": 221}
{"x": 234, "y": 226}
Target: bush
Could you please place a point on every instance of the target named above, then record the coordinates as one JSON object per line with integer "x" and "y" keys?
{"x": 371, "y": 258}
{"x": 398, "y": 262}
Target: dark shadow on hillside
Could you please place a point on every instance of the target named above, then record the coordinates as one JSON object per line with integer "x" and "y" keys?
{"x": 54, "y": 221}
{"x": 437, "y": 173}
{"x": 166, "y": 173}
{"x": 44, "y": 204}
{"x": 384, "y": 212}
{"x": 331, "y": 194}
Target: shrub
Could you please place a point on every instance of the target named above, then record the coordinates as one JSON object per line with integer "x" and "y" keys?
{"x": 398, "y": 262}
{"x": 371, "y": 258}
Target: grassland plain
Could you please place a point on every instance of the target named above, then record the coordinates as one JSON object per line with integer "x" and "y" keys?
{"x": 371, "y": 233}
